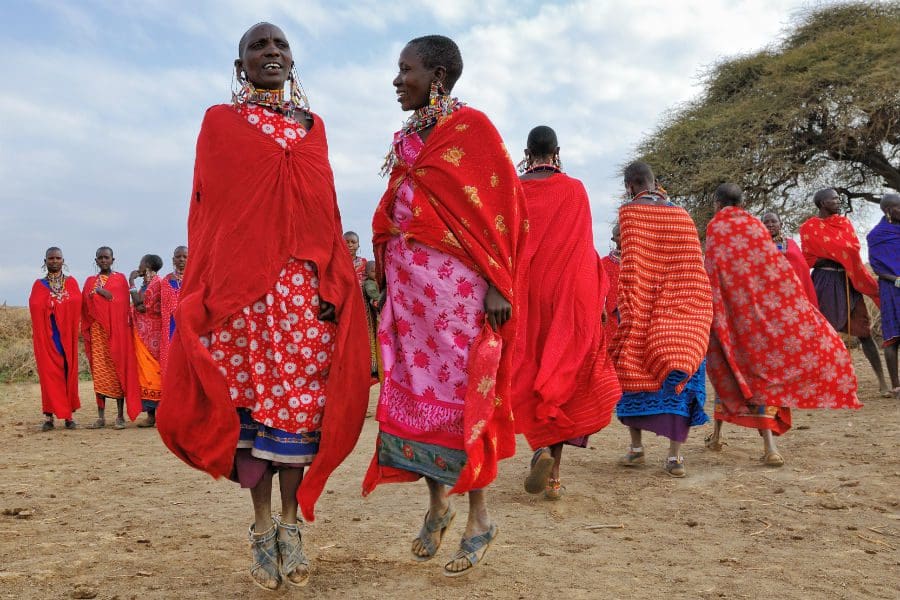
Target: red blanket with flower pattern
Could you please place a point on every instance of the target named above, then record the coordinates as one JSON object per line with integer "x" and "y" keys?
{"x": 467, "y": 202}
{"x": 770, "y": 345}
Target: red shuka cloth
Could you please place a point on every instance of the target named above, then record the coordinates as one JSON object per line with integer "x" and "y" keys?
{"x": 611, "y": 268}
{"x": 255, "y": 205}
{"x": 835, "y": 239}
{"x": 59, "y": 390}
{"x": 467, "y": 202}
{"x": 115, "y": 318}
{"x": 795, "y": 257}
{"x": 565, "y": 385}
{"x": 665, "y": 301}
{"x": 769, "y": 341}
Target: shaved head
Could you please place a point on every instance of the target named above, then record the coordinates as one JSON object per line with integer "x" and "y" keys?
{"x": 729, "y": 194}
{"x": 890, "y": 201}
{"x": 640, "y": 174}
{"x": 821, "y": 195}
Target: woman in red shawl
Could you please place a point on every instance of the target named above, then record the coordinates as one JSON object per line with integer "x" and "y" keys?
{"x": 447, "y": 236}
{"x": 612, "y": 264}
{"x": 764, "y": 367}
{"x": 55, "y": 306}
{"x": 165, "y": 292}
{"x": 792, "y": 253}
{"x": 361, "y": 267}
{"x": 566, "y": 386}
{"x": 267, "y": 367}
{"x": 147, "y": 320}
{"x": 109, "y": 340}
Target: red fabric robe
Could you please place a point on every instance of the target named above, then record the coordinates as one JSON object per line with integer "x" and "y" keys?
{"x": 115, "y": 318}
{"x": 467, "y": 202}
{"x": 795, "y": 257}
{"x": 770, "y": 345}
{"x": 59, "y": 389}
{"x": 665, "y": 302}
{"x": 168, "y": 301}
{"x": 255, "y": 205}
{"x": 611, "y": 267}
{"x": 565, "y": 385}
{"x": 834, "y": 238}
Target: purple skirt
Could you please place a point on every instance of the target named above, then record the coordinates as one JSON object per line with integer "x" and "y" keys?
{"x": 674, "y": 427}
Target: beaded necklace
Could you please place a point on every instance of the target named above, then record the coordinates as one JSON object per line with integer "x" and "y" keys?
{"x": 543, "y": 167}
{"x": 423, "y": 118}
{"x": 57, "y": 284}
{"x": 273, "y": 99}
{"x": 100, "y": 281}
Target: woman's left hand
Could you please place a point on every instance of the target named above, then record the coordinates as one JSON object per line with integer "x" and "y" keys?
{"x": 326, "y": 311}
{"x": 497, "y": 309}
{"x": 105, "y": 293}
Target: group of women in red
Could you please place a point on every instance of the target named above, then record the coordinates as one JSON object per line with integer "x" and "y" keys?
{"x": 493, "y": 313}
{"x": 125, "y": 329}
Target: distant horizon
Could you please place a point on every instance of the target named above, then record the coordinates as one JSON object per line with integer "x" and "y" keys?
{"x": 108, "y": 158}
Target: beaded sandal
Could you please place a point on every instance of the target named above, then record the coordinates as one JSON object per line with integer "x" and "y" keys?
{"x": 554, "y": 489}
{"x": 541, "y": 465}
{"x": 264, "y": 570}
{"x": 429, "y": 527}
{"x": 293, "y": 564}
{"x": 675, "y": 466}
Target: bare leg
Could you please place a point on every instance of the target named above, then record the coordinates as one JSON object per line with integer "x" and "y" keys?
{"x": 635, "y": 437}
{"x": 871, "y": 351}
{"x": 714, "y": 440}
{"x": 479, "y": 522}
{"x": 288, "y": 482}
{"x": 438, "y": 505}
{"x": 890, "y": 358}
{"x": 771, "y": 456}
{"x": 556, "y": 451}
{"x": 101, "y": 410}
{"x": 674, "y": 448}
{"x": 261, "y": 494}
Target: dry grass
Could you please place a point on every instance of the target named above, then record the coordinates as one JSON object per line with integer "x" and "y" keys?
{"x": 16, "y": 354}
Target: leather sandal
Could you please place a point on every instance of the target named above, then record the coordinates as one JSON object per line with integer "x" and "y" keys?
{"x": 473, "y": 550}
{"x": 439, "y": 526}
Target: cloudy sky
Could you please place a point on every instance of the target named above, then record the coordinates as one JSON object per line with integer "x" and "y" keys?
{"x": 102, "y": 100}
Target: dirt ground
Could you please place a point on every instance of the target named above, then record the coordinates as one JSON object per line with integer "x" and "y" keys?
{"x": 113, "y": 513}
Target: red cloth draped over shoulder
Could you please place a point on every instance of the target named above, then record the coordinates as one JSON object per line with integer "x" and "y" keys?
{"x": 255, "y": 205}
{"x": 770, "y": 343}
{"x": 565, "y": 384}
{"x": 59, "y": 390}
{"x": 795, "y": 257}
{"x": 115, "y": 318}
{"x": 611, "y": 268}
{"x": 665, "y": 303}
{"x": 467, "y": 202}
{"x": 835, "y": 239}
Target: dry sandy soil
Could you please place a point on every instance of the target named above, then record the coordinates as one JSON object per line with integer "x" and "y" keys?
{"x": 114, "y": 514}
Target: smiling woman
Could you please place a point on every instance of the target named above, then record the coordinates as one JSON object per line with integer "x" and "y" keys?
{"x": 447, "y": 236}
{"x": 270, "y": 326}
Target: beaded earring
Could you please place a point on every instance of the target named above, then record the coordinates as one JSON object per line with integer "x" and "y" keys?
{"x": 435, "y": 93}
{"x": 523, "y": 165}
{"x": 557, "y": 162}
{"x": 298, "y": 94}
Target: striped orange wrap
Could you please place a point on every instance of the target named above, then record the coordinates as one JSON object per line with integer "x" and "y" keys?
{"x": 665, "y": 302}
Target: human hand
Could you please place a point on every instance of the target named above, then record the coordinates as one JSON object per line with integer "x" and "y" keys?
{"x": 497, "y": 309}
{"x": 326, "y": 311}
{"x": 104, "y": 293}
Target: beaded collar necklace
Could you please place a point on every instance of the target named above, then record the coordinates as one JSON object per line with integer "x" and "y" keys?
{"x": 420, "y": 120}
{"x": 57, "y": 283}
{"x": 272, "y": 99}
{"x": 542, "y": 167}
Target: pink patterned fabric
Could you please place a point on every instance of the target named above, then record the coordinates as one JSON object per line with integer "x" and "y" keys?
{"x": 148, "y": 323}
{"x": 433, "y": 312}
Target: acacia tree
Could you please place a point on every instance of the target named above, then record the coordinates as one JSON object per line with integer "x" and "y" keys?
{"x": 819, "y": 109}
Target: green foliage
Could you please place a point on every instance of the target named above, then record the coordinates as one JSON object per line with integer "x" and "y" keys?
{"x": 819, "y": 109}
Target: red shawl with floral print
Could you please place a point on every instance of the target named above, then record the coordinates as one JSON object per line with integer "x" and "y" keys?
{"x": 770, "y": 345}
{"x": 467, "y": 202}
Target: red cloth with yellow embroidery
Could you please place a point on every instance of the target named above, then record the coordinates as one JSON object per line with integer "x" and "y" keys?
{"x": 565, "y": 385}
{"x": 114, "y": 316}
{"x": 769, "y": 342}
{"x": 255, "y": 204}
{"x": 665, "y": 303}
{"x": 467, "y": 202}
{"x": 834, "y": 238}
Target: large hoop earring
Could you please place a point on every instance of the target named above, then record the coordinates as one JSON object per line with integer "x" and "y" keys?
{"x": 241, "y": 92}
{"x": 298, "y": 95}
{"x": 557, "y": 162}
{"x": 523, "y": 165}
{"x": 435, "y": 93}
